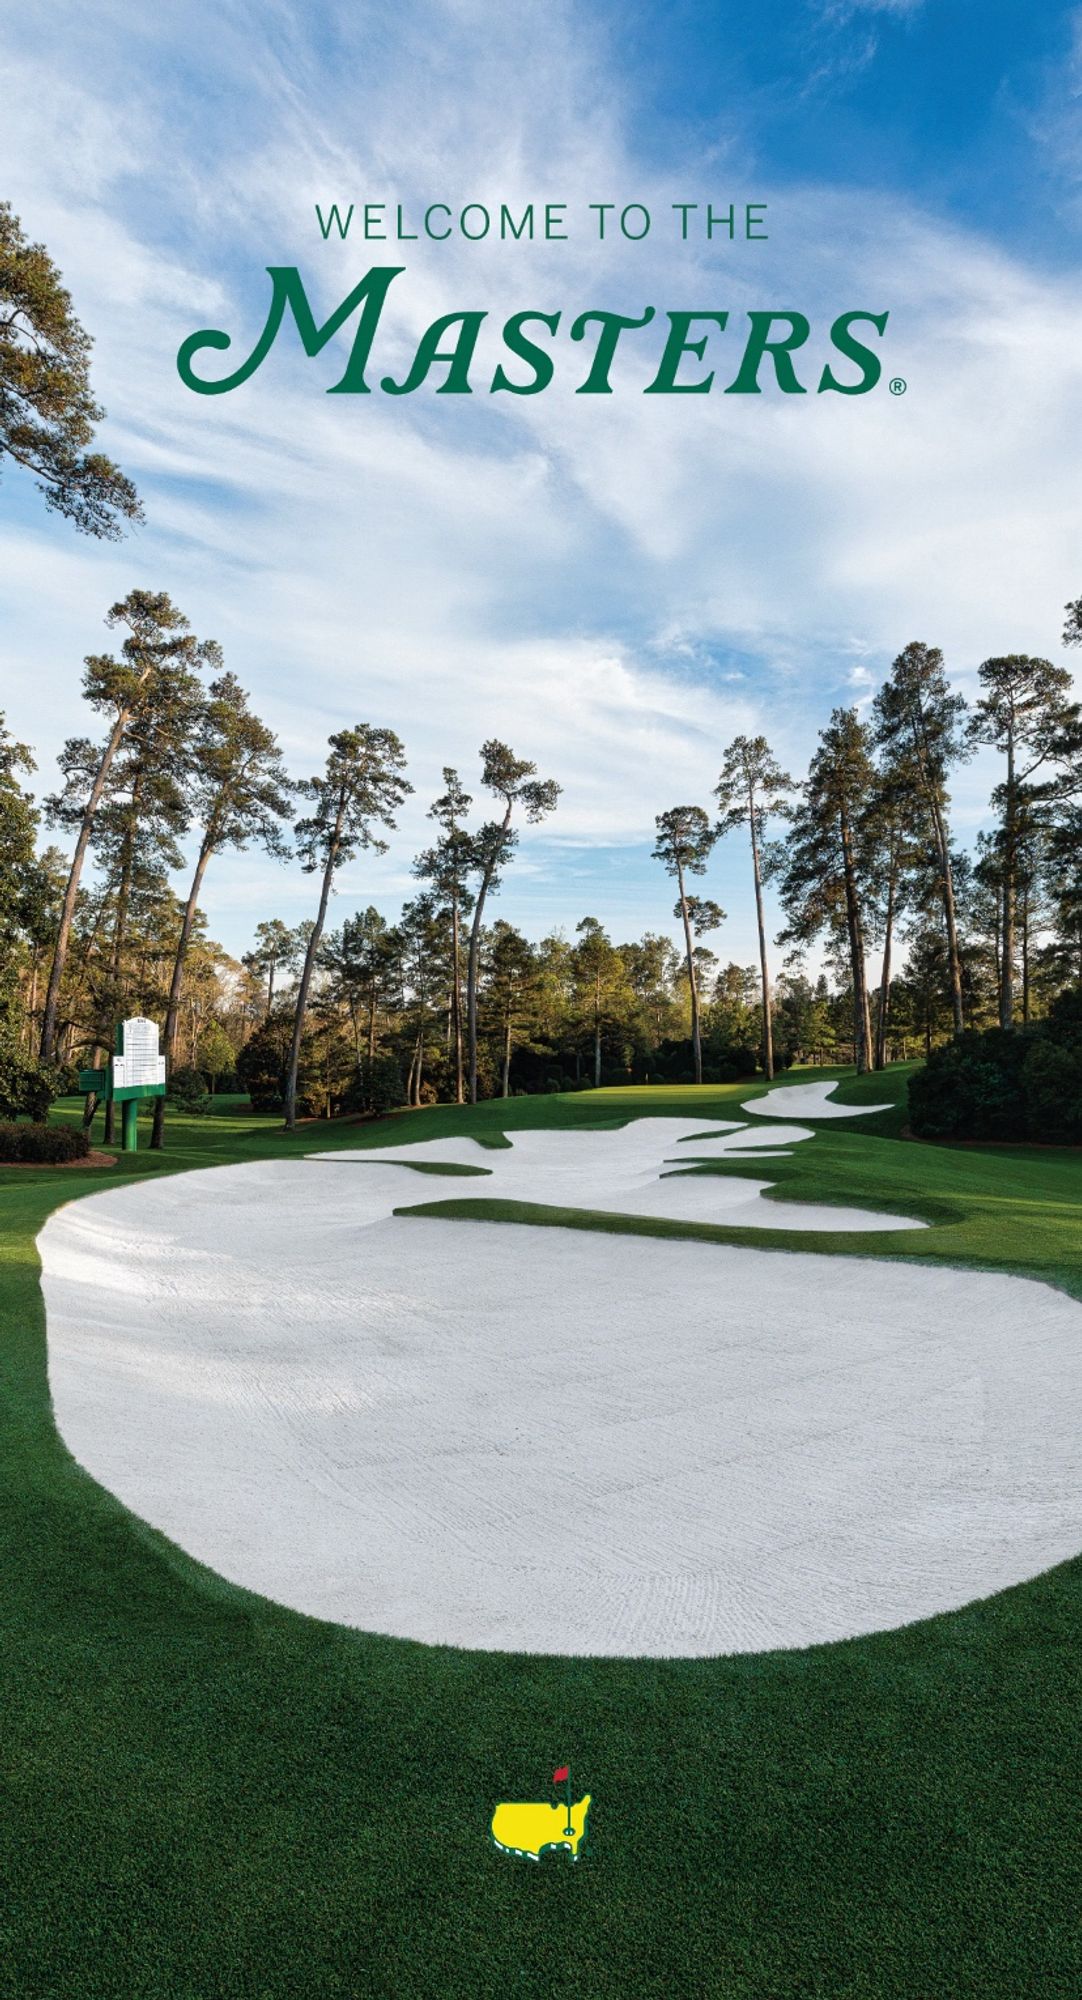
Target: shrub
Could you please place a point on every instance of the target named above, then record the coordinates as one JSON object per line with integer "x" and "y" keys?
{"x": 188, "y": 1089}
{"x": 26, "y": 1087}
{"x": 1052, "y": 1085}
{"x": 43, "y": 1145}
{"x": 971, "y": 1088}
{"x": 1006, "y": 1084}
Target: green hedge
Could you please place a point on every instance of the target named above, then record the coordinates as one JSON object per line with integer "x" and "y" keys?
{"x": 42, "y": 1145}
{"x": 188, "y": 1089}
{"x": 1006, "y": 1084}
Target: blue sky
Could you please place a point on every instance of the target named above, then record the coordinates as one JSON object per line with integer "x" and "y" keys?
{"x": 616, "y": 586}
{"x": 937, "y": 99}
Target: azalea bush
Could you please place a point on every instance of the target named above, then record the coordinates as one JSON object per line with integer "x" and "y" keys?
{"x": 42, "y": 1145}
{"x": 27, "y": 1087}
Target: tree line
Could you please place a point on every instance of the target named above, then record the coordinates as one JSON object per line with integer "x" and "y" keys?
{"x": 860, "y": 853}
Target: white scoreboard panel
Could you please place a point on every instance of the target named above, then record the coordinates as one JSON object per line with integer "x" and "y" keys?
{"x": 139, "y": 1061}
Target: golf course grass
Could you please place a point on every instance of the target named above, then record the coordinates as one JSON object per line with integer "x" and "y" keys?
{"x": 207, "y": 1796}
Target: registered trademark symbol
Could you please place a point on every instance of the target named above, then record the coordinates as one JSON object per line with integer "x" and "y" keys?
{"x": 898, "y": 386}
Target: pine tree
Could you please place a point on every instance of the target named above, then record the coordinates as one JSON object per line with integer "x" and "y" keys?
{"x": 143, "y": 812}
{"x": 18, "y": 830}
{"x": 512, "y": 780}
{"x": 239, "y": 793}
{"x": 751, "y": 790}
{"x": 276, "y": 949}
{"x": 652, "y": 963}
{"x": 684, "y": 842}
{"x": 598, "y": 969}
{"x": 419, "y": 947}
{"x": 511, "y": 978}
{"x": 360, "y": 788}
{"x": 159, "y": 653}
{"x": 1062, "y": 875}
{"x": 919, "y": 725}
{"x": 1025, "y": 713}
{"x": 47, "y": 410}
{"x": 363, "y": 960}
{"x": 447, "y": 866}
{"x": 819, "y": 884}
{"x": 890, "y": 852}
{"x": 43, "y": 880}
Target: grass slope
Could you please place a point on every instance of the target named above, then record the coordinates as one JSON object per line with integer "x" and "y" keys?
{"x": 205, "y": 1796}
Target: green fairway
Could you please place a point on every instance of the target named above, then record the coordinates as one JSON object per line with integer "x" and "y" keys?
{"x": 206, "y": 1796}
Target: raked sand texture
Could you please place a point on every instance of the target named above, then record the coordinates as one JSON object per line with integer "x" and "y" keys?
{"x": 551, "y": 1440}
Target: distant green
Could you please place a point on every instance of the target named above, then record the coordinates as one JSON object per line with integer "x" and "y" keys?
{"x": 204, "y": 1796}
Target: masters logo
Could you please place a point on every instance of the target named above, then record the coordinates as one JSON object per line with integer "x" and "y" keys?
{"x": 528, "y": 1828}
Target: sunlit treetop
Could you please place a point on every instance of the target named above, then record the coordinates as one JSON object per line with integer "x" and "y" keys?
{"x": 47, "y": 410}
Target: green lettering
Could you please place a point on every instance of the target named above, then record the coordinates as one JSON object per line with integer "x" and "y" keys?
{"x": 527, "y": 350}
{"x": 459, "y": 356}
{"x": 678, "y": 344}
{"x": 612, "y": 326}
{"x": 507, "y": 222}
{"x": 869, "y": 364}
{"x": 289, "y": 291}
{"x": 780, "y": 352}
{"x": 334, "y": 221}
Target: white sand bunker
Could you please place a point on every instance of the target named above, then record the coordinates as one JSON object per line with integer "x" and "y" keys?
{"x": 551, "y": 1440}
{"x": 808, "y": 1100}
{"x": 641, "y": 1169}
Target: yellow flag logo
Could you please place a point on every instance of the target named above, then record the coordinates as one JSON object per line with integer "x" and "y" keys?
{"x": 528, "y": 1828}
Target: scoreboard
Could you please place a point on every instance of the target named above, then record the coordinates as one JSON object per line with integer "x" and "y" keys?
{"x": 138, "y": 1068}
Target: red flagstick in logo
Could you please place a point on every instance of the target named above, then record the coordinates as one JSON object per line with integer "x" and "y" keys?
{"x": 560, "y": 1777}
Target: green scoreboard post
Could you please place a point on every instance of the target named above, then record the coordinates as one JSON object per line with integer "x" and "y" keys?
{"x": 136, "y": 1070}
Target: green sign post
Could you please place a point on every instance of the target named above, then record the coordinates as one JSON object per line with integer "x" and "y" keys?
{"x": 136, "y": 1070}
